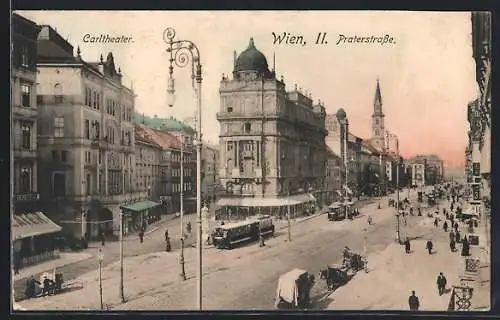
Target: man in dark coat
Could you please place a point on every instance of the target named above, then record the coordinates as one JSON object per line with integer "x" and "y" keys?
{"x": 457, "y": 237}
{"x": 452, "y": 245}
{"x": 441, "y": 283}
{"x": 465, "y": 247}
{"x": 455, "y": 226}
{"x": 141, "y": 236}
{"x": 429, "y": 246}
{"x": 101, "y": 236}
{"x": 445, "y": 226}
{"x": 413, "y": 302}
{"x": 435, "y": 222}
{"x": 166, "y": 234}
{"x": 407, "y": 245}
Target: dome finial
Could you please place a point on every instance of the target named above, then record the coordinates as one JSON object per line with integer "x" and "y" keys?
{"x": 251, "y": 44}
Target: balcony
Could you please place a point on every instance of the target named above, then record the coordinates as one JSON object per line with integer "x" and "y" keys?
{"x": 30, "y": 196}
{"x": 25, "y": 112}
{"x": 95, "y": 143}
{"x": 25, "y": 152}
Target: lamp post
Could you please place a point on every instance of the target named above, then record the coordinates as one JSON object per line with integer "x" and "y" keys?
{"x": 122, "y": 295}
{"x": 288, "y": 216}
{"x": 182, "y": 274}
{"x": 344, "y": 123}
{"x": 397, "y": 182}
{"x": 181, "y": 52}
{"x": 100, "y": 258}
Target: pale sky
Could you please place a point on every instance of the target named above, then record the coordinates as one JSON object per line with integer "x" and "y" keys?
{"x": 427, "y": 77}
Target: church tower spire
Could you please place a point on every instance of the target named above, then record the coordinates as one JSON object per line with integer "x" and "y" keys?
{"x": 378, "y": 127}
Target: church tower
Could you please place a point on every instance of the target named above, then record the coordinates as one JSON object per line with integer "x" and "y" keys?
{"x": 378, "y": 127}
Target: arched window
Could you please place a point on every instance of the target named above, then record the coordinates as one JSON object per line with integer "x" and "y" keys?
{"x": 58, "y": 93}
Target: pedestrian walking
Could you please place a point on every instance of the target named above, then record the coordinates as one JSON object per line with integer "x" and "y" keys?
{"x": 457, "y": 236}
{"x": 429, "y": 246}
{"x": 188, "y": 227}
{"x": 261, "y": 240}
{"x": 369, "y": 220}
{"x": 407, "y": 245}
{"x": 166, "y": 234}
{"x": 167, "y": 245}
{"x": 455, "y": 226}
{"x": 101, "y": 236}
{"x": 445, "y": 226}
{"x": 141, "y": 236}
{"x": 441, "y": 283}
{"x": 451, "y": 206}
{"x": 413, "y": 302}
{"x": 419, "y": 212}
{"x": 435, "y": 222}
{"x": 452, "y": 235}
{"x": 444, "y": 210}
{"x": 465, "y": 247}
{"x": 452, "y": 245}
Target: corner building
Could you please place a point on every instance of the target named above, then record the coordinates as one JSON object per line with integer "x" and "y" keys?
{"x": 272, "y": 143}
{"x": 86, "y": 138}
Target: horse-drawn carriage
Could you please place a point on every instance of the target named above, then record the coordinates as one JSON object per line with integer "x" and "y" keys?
{"x": 294, "y": 288}
{"x": 339, "y": 274}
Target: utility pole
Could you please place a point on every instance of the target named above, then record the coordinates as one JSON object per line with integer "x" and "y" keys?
{"x": 380, "y": 179}
{"x": 181, "y": 258}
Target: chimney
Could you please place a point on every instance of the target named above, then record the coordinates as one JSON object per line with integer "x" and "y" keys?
{"x": 101, "y": 65}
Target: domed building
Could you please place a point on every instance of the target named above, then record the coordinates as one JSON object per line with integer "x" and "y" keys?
{"x": 271, "y": 142}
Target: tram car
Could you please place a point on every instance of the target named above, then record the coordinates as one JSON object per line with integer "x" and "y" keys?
{"x": 266, "y": 226}
{"x": 232, "y": 234}
{"x": 336, "y": 211}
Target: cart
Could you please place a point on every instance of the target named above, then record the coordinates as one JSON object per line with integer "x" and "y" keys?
{"x": 294, "y": 289}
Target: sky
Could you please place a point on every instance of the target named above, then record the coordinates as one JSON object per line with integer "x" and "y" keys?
{"x": 427, "y": 73}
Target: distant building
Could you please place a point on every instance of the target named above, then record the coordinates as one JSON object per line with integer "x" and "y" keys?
{"x": 434, "y": 168}
{"x": 333, "y": 171}
{"x": 272, "y": 142}
{"x": 209, "y": 173}
{"x": 86, "y": 138}
{"x": 166, "y": 186}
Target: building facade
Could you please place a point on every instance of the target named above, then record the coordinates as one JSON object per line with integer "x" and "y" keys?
{"x": 434, "y": 168}
{"x": 168, "y": 150}
{"x": 24, "y": 126}
{"x": 479, "y": 112}
{"x": 333, "y": 171}
{"x": 272, "y": 142}
{"x": 86, "y": 138}
{"x": 209, "y": 173}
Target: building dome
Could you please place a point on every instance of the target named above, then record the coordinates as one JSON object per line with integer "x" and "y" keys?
{"x": 341, "y": 114}
{"x": 251, "y": 60}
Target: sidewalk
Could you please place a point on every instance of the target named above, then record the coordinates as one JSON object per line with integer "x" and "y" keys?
{"x": 392, "y": 276}
{"x": 65, "y": 258}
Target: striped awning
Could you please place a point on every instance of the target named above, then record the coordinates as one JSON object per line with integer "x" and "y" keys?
{"x": 27, "y": 225}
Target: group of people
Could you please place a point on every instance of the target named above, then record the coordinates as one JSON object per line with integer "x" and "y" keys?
{"x": 168, "y": 245}
{"x": 414, "y": 302}
{"x": 44, "y": 287}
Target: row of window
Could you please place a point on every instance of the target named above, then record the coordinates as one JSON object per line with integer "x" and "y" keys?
{"x": 93, "y": 99}
{"x": 176, "y": 187}
{"x": 177, "y": 172}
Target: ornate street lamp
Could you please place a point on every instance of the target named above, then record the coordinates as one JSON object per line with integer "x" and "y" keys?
{"x": 181, "y": 53}
{"x": 342, "y": 118}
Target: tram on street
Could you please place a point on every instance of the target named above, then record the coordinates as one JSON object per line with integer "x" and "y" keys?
{"x": 229, "y": 235}
{"x": 336, "y": 211}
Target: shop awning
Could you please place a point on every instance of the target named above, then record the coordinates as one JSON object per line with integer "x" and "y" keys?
{"x": 266, "y": 201}
{"x": 141, "y": 205}
{"x": 32, "y": 224}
